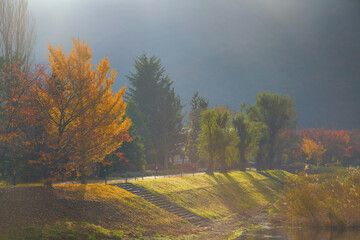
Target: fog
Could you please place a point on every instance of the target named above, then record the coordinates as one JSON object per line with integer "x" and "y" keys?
{"x": 227, "y": 50}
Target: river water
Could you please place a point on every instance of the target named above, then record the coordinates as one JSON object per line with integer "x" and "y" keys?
{"x": 281, "y": 233}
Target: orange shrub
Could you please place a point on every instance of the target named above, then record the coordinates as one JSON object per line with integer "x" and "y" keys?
{"x": 328, "y": 200}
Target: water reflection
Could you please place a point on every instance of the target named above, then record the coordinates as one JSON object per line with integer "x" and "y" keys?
{"x": 298, "y": 234}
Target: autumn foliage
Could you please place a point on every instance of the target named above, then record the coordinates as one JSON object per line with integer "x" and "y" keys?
{"x": 69, "y": 118}
{"x": 329, "y": 146}
{"x": 329, "y": 200}
{"x": 81, "y": 118}
{"x": 313, "y": 150}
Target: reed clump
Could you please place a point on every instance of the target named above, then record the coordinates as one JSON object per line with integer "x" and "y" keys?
{"x": 325, "y": 200}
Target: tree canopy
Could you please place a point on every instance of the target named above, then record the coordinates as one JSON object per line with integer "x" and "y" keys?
{"x": 152, "y": 91}
{"x": 82, "y": 119}
{"x": 277, "y": 113}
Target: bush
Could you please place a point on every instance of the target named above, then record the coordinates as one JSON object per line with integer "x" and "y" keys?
{"x": 3, "y": 183}
{"x": 175, "y": 167}
{"x": 149, "y": 173}
{"x": 159, "y": 166}
{"x": 132, "y": 175}
{"x": 189, "y": 167}
{"x": 322, "y": 170}
{"x": 326, "y": 200}
{"x": 126, "y": 167}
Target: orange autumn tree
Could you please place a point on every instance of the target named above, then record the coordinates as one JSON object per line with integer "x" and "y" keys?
{"x": 83, "y": 120}
{"x": 313, "y": 150}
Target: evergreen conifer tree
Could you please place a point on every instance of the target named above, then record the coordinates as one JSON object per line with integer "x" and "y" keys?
{"x": 152, "y": 91}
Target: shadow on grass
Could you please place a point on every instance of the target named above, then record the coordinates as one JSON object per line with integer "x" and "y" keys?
{"x": 265, "y": 187}
{"x": 221, "y": 194}
{"x": 238, "y": 194}
{"x": 233, "y": 195}
{"x": 274, "y": 176}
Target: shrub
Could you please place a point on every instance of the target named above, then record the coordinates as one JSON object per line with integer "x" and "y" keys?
{"x": 153, "y": 167}
{"x": 189, "y": 167}
{"x": 326, "y": 200}
{"x": 321, "y": 170}
{"x": 126, "y": 167}
{"x": 175, "y": 167}
{"x": 2, "y": 183}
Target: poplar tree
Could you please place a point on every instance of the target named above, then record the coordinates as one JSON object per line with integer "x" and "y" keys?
{"x": 198, "y": 104}
{"x": 17, "y": 32}
{"x": 17, "y": 38}
{"x": 243, "y": 128}
{"x": 215, "y": 138}
{"x": 277, "y": 113}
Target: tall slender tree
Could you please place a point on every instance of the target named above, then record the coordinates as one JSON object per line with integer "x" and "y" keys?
{"x": 152, "y": 91}
{"x": 17, "y": 32}
{"x": 206, "y": 140}
{"x": 223, "y": 138}
{"x": 17, "y": 38}
{"x": 215, "y": 138}
{"x": 243, "y": 128}
{"x": 198, "y": 104}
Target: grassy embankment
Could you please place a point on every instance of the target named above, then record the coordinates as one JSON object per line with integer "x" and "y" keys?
{"x": 95, "y": 211}
{"x": 98, "y": 211}
{"x": 221, "y": 194}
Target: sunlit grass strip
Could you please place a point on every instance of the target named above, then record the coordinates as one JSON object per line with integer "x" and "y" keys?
{"x": 218, "y": 195}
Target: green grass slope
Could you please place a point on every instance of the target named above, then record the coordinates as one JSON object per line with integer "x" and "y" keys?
{"x": 221, "y": 194}
{"x": 73, "y": 211}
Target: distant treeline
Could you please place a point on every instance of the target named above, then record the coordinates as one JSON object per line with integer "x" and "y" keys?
{"x": 264, "y": 134}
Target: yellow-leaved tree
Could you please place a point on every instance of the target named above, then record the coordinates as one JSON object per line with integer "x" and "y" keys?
{"x": 313, "y": 150}
{"x": 82, "y": 120}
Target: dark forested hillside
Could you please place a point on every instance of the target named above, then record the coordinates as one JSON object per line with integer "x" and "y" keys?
{"x": 229, "y": 50}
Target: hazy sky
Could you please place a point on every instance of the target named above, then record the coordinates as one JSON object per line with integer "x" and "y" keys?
{"x": 227, "y": 50}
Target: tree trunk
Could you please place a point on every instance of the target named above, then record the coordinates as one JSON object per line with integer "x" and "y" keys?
{"x": 210, "y": 169}
{"x": 223, "y": 166}
{"x": 270, "y": 160}
{"x": 83, "y": 175}
{"x": 84, "y": 179}
{"x": 242, "y": 163}
{"x": 259, "y": 163}
{"x": 271, "y": 153}
{"x": 166, "y": 159}
{"x": 48, "y": 184}
{"x": 14, "y": 179}
{"x": 47, "y": 181}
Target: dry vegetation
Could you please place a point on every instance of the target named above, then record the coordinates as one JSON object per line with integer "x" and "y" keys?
{"x": 325, "y": 200}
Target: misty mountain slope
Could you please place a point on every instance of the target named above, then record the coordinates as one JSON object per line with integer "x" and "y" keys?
{"x": 227, "y": 50}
